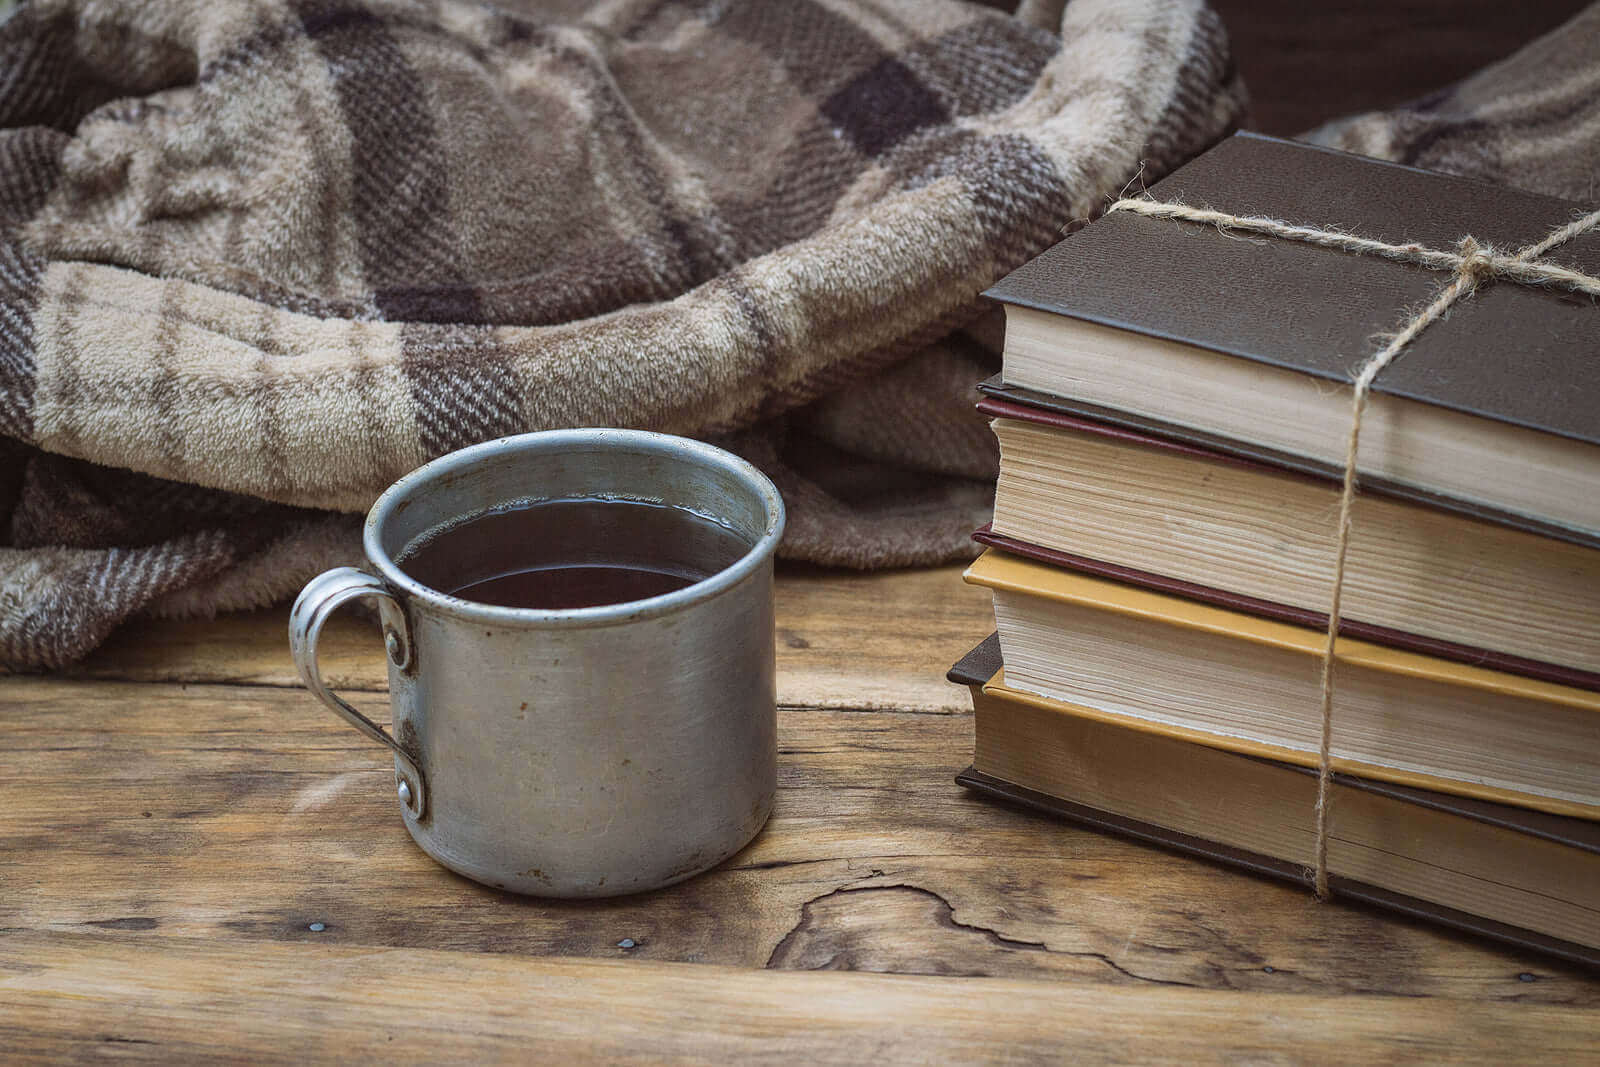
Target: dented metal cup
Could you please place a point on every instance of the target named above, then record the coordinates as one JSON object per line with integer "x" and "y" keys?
{"x": 575, "y": 753}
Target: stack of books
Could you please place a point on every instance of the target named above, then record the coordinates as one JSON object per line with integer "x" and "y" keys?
{"x": 1172, "y": 417}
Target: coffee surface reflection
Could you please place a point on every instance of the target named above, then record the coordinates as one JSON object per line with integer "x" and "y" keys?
{"x": 565, "y": 554}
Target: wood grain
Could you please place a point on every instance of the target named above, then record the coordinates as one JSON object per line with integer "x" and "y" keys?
{"x": 115, "y": 995}
{"x": 202, "y": 870}
{"x": 845, "y": 640}
{"x": 235, "y": 815}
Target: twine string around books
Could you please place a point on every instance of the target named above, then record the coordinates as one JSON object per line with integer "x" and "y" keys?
{"x": 1472, "y": 263}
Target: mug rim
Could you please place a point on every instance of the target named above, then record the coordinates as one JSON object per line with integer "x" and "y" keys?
{"x": 638, "y": 442}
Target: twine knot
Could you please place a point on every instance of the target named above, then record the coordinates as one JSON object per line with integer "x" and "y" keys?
{"x": 1479, "y": 262}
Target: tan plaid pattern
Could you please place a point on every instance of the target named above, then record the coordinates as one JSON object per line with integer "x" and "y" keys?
{"x": 263, "y": 257}
{"x": 1531, "y": 121}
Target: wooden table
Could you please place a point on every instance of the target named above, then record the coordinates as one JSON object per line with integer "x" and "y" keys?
{"x": 201, "y": 861}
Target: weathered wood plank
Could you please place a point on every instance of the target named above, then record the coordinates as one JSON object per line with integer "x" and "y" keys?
{"x": 248, "y": 814}
{"x": 845, "y": 640}
{"x": 79, "y": 996}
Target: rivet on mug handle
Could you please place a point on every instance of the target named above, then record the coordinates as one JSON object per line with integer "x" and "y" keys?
{"x": 321, "y": 597}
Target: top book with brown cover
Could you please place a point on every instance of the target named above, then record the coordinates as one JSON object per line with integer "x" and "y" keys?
{"x": 1494, "y": 410}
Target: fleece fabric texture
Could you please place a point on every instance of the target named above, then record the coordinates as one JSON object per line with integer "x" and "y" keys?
{"x": 1531, "y": 121}
{"x": 259, "y": 258}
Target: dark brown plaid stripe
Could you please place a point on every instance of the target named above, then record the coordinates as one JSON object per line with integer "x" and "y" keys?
{"x": 33, "y": 155}
{"x": 400, "y": 196}
{"x": 461, "y": 385}
{"x": 91, "y": 545}
{"x": 48, "y": 80}
{"x": 288, "y": 249}
{"x": 400, "y": 206}
{"x": 1207, "y": 63}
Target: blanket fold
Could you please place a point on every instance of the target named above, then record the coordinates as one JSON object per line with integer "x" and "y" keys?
{"x": 1531, "y": 120}
{"x": 259, "y": 259}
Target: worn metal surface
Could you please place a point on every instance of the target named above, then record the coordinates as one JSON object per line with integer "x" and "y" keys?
{"x": 321, "y": 597}
{"x": 586, "y": 752}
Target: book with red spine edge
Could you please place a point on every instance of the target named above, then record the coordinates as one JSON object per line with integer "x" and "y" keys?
{"x": 996, "y": 407}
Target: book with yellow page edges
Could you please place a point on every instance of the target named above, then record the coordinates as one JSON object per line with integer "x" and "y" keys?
{"x": 1508, "y": 873}
{"x": 1230, "y": 680}
{"x": 1175, "y": 405}
{"x": 1175, "y": 421}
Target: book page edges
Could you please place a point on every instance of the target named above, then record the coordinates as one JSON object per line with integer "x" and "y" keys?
{"x": 998, "y": 571}
{"x": 997, "y": 687}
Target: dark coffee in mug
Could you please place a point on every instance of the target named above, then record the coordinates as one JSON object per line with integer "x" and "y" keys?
{"x": 571, "y": 753}
{"x": 564, "y": 554}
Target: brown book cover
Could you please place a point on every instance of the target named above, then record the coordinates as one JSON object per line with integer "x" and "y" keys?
{"x": 979, "y": 665}
{"x": 1515, "y": 355}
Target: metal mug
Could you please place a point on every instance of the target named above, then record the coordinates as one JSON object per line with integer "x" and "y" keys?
{"x": 572, "y": 753}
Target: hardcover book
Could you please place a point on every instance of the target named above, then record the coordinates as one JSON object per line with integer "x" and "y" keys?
{"x": 1255, "y": 341}
{"x": 1225, "y": 679}
{"x": 1518, "y": 876}
{"x": 1252, "y": 537}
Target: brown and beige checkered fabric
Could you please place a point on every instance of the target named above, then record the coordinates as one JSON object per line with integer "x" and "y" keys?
{"x": 1531, "y": 120}
{"x": 258, "y": 258}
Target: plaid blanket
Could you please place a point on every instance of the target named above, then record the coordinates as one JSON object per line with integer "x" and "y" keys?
{"x": 1531, "y": 120}
{"x": 258, "y": 258}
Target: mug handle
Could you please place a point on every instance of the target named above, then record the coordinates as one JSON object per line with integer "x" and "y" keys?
{"x": 321, "y": 597}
